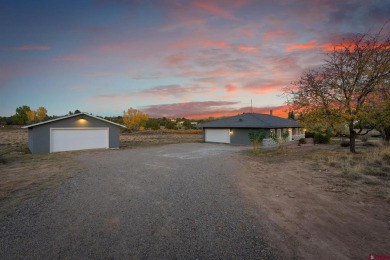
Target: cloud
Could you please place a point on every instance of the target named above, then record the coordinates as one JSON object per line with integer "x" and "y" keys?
{"x": 72, "y": 58}
{"x": 188, "y": 109}
{"x": 31, "y": 48}
{"x": 231, "y": 88}
{"x": 174, "y": 90}
{"x": 246, "y": 48}
{"x": 214, "y": 9}
{"x": 262, "y": 89}
{"x": 176, "y": 59}
{"x": 274, "y": 34}
{"x": 206, "y": 109}
{"x": 216, "y": 44}
{"x": 312, "y": 44}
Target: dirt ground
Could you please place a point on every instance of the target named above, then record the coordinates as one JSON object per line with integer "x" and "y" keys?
{"x": 312, "y": 212}
{"x": 134, "y": 139}
{"x": 307, "y": 209}
{"x": 23, "y": 175}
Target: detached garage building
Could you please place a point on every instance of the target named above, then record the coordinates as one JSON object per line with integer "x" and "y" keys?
{"x": 235, "y": 130}
{"x": 75, "y": 132}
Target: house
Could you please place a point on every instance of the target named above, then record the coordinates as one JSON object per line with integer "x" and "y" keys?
{"x": 235, "y": 130}
{"x": 74, "y": 132}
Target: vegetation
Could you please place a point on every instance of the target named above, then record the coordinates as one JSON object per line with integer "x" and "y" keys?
{"x": 369, "y": 166}
{"x": 256, "y": 138}
{"x": 134, "y": 119}
{"x": 337, "y": 95}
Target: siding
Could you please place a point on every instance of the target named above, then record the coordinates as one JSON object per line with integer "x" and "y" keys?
{"x": 40, "y": 135}
{"x": 241, "y": 136}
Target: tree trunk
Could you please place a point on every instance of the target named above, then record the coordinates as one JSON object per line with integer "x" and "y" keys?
{"x": 352, "y": 139}
{"x": 387, "y": 135}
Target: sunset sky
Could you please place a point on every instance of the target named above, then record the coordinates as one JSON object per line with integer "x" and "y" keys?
{"x": 171, "y": 58}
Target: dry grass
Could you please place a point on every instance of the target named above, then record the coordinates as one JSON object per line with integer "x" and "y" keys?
{"x": 147, "y": 138}
{"x": 370, "y": 166}
{"x": 23, "y": 175}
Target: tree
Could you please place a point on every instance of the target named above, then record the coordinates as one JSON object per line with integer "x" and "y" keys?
{"x": 335, "y": 94}
{"x": 256, "y": 138}
{"x": 21, "y": 115}
{"x": 31, "y": 116}
{"x": 377, "y": 111}
{"x": 134, "y": 119}
{"x": 291, "y": 115}
{"x": 76, "y": 112}
{"x": 41, "y": 114}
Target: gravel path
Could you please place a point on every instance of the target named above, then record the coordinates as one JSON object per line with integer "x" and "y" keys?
{"x": 169, "y": 202}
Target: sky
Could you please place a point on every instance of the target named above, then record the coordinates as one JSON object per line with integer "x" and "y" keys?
{"x": 168, "y": 58}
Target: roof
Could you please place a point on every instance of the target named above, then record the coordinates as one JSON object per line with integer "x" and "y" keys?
{"x": 70, "y": 116}
{"x": 251, "y": 120}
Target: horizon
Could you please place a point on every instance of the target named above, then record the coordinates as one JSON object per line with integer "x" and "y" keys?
{"x": 180, "y": 58}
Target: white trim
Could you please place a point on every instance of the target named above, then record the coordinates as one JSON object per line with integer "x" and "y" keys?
{"x": 65, "y": 117}
{"x": 80, "y": 128}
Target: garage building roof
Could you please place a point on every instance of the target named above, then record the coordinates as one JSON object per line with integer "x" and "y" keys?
{"x": 251, "y": 120}
{"x": 64, "y": 117}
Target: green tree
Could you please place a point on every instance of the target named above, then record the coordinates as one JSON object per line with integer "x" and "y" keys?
{"x": 256, "y": 138}
{"x": 335, "y": 95}
{"x": 291, "y": 115}
{"x": 21, "y": 115}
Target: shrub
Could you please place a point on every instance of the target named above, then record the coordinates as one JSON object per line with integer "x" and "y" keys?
{"x": 309, "y": 134}
{"x": 321, "y": 138}
{"x": 256, "y": 138}
{"x": 302, "y": 141}
{"x": 364, "y": 138}
{"x": 345, "y": 143}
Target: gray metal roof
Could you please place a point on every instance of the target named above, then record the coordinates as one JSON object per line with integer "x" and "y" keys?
{"x": 251, "y": 120}
{"x": 79, "y": 114}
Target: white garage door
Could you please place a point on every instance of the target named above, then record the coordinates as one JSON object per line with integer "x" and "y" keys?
{"x": 217, "y": 135}
{"x": 71, "y": 139}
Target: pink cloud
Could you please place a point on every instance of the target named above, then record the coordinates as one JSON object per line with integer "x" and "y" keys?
{"x": 174, "y": 90}
{"x": 176, "y": 59}
{"x": 271, "y": 35}
{"x": 188, "y": 109}
{"x": 312, "y": 44}
{"x": 246, "y": 48}
{"x": 263, "y": 89}
{"x": 206, "y": 109}
{"x": 231, "y": 88}
{"x": 214, "y": 9}
{"x": 217, "y": 44}
{"x": 31, "y": 48}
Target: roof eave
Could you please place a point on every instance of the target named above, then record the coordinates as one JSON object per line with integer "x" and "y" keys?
{"x": 70, "y": 116}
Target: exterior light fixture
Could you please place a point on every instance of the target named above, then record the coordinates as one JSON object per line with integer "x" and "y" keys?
{"x": 230, "y": 131}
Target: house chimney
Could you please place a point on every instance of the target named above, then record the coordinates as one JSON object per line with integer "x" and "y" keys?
{"x": 270, "y": 112}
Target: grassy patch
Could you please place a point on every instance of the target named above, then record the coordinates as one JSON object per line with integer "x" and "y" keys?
{"x": 23, "y": 175}
{"x": 370, "y": 166}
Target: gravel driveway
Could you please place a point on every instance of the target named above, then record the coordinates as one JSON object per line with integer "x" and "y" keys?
{"x": 174, "y": 201}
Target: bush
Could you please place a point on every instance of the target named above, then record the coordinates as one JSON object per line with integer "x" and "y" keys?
{"x": 345, "y": 143}
{"x": 302, "y": 141}
{"x": 321, "y": 138}
{"x": 309, "y": 134}
{"x": 364, "y": 138}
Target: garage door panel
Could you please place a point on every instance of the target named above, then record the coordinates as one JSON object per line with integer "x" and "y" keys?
{"x": 78, "y": 139}
{"x": 217, "y": 135}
